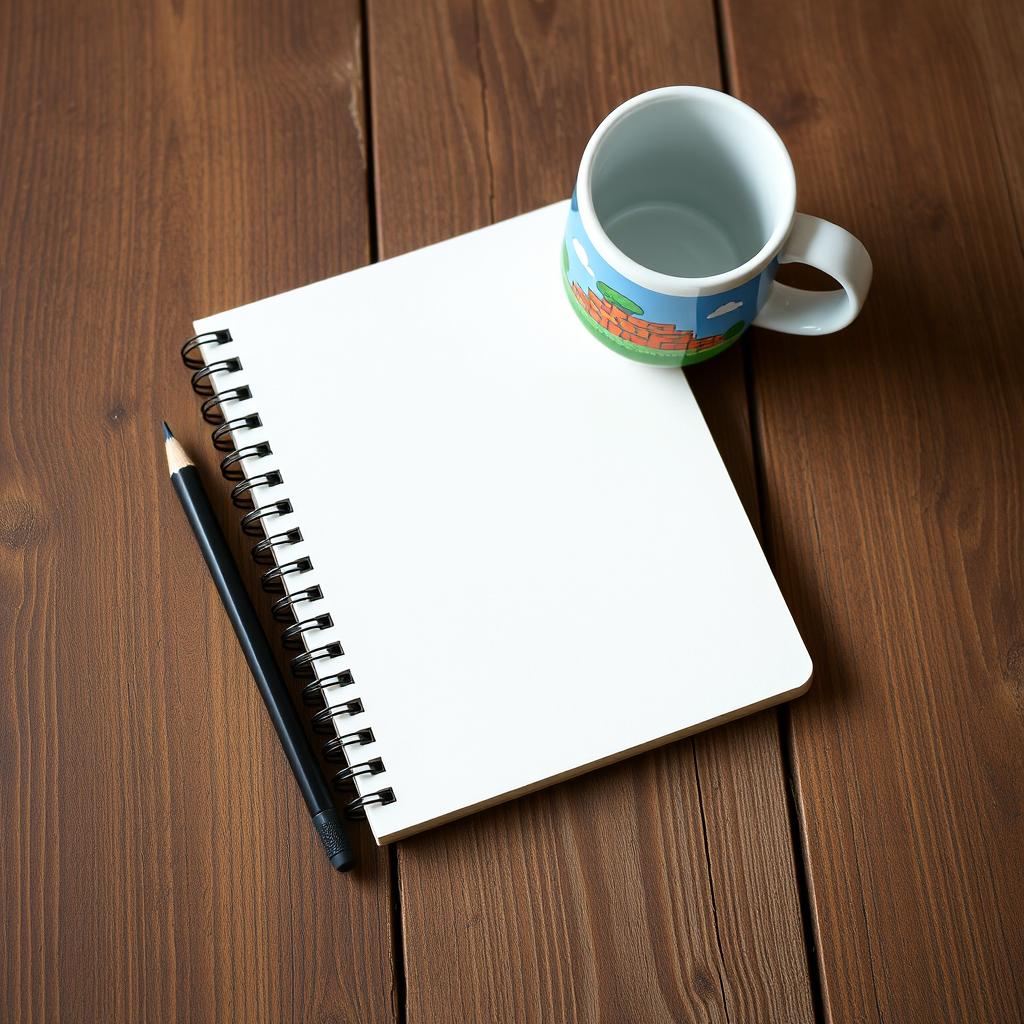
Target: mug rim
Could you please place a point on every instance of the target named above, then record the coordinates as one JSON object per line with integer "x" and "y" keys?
{"x": 654, "y": 280}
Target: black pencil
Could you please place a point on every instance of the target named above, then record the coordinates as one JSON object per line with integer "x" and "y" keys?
{"x": 251, "y": 636}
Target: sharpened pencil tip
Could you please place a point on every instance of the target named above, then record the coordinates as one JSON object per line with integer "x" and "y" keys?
{"x": 177, "y": 459}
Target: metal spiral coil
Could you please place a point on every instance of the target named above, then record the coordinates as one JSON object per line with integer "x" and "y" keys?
{"x": 251, "y": 521}
{"x": 231, "y": 465}
{"x": 211, "y": 408}
{"x": 303, "y": 665}
{"x": 312, "y": 665}
{"x": 313, "y": 691}
{"x": 221, "y": 437}
{"x": 273, "y": 579}
{"x": 263, "y": 552}
{"x": 292, "y": 635}
{"x": 355, "y": 810}
{"x": 372, "y": 767}
{"x": 241, "y": 493}
{"x": 195, "y": 343}
{"x": 323, "y": 720}
{"x": 201, "y": 382}
{"x": 283, "y": 609}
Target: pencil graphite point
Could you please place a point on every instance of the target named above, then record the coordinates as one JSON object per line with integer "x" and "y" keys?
{"x": 177, "y": 459}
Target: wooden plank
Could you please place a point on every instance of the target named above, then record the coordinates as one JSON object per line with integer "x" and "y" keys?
{"x": 159, "y": 162}
{"x": 658, "y": 889}
{"x": 894, "y": 473}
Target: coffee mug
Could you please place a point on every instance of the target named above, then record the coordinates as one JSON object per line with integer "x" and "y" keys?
{"x": 684, "y": 208}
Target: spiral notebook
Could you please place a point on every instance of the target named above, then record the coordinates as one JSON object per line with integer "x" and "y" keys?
{"x": 504, "y": 554}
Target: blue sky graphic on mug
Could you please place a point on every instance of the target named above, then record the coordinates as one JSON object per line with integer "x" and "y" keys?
{"x": 638, "y": 317}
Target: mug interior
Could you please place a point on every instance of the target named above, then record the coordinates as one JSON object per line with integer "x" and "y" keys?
{"x": 690, "y": 183}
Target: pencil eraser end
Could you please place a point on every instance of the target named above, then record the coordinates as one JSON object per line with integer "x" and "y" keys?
{"x": 332, "y": 835}
{"x": 343, "y": 861}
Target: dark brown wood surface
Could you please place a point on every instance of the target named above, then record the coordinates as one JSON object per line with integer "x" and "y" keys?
{"x": 159, "y": 162}
{"x": 854, "y": 858}
{"x": 893, "y": 469}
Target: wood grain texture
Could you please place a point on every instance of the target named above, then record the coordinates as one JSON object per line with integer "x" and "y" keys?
{"x": 159, "y": 162}
{"x": 661, "y": 889}
{"x": 165, "y": 161}
{"x": 894, "y": 474}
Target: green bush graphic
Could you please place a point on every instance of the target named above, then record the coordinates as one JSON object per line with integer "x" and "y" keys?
{"x": 618, "y": 299}
{"x": 565, "y": 259}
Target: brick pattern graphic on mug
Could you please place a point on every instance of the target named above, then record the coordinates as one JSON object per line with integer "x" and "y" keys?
{"x": 647, "y": 324}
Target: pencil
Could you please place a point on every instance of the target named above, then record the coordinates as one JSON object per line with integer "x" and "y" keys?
{"x": 189, "y": 487}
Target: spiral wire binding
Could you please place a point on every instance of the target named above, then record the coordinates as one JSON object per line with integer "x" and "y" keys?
{"x": 301, "y": 631}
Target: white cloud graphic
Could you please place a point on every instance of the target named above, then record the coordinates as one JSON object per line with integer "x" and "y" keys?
{"x": 728, "y": 307}
{"x": 581, "y": 254}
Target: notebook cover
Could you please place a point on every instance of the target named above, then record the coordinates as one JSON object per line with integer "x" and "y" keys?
{"x": 531, "y": 551}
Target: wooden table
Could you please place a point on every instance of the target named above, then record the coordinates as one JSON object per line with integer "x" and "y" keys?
{"x": 855, "y": 857}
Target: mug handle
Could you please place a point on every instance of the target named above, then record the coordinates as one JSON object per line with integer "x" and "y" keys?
{"x": 829, "y": 248}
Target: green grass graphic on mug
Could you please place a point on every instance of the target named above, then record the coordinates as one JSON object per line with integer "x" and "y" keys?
{"x": 734, "y": 332}
{"x": 618, "y": 299}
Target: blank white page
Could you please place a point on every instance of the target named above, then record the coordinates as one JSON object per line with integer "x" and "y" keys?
{"x": 531, "y": 550}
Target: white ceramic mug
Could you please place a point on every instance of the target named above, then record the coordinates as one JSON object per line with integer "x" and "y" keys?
{"x": 684, "y": 208}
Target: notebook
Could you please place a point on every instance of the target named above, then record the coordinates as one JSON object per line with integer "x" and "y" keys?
{"x": 509, "y": 555}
